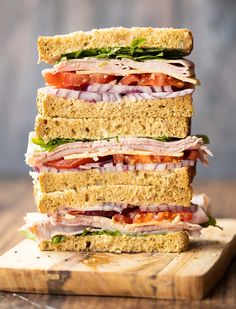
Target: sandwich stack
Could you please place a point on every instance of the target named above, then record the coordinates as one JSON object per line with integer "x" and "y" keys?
{"x": 112, "y": 151}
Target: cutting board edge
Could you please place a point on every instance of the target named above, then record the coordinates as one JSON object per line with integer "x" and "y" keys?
{"x": 226, "y": 257}
{"x": 202, "y": 281}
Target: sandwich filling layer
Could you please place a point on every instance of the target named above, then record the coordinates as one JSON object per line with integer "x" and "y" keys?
{"x": 116, "y": 78}
{"x": 124, "y": 153}
{"x": 117, "y": 219}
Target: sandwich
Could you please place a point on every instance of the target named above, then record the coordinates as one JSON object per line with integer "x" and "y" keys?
{"x": 137, "y": 77}
{"x": 119, "y": 227}
{"x": 112, "y": 151}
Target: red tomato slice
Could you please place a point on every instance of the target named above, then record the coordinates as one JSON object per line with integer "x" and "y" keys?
{"x": 186, "y": 216}
{"x": 121, "y": 219}
{"x": 71, "y": 79}
{"x": 192, "y": 155}
{"x": 73, "y": 163}
{"x": 131, "y": 79}
{"x": 166, "y": 215}
{"x": 68, "y": 164}
{"x": 151, "y": 216}
{"x": 133, "y": 159}
{"x": 143, "y": 217}
{"x": 151, "y": 79}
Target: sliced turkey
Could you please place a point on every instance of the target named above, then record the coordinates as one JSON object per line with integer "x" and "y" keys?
{"x": 124, "y": 145}
{"x": 181, "y": 69}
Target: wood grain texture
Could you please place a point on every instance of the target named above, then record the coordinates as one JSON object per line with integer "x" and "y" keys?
{"x": 189, "y": 275}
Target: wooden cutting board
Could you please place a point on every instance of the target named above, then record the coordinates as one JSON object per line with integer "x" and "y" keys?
{"x": 188, "y": 275}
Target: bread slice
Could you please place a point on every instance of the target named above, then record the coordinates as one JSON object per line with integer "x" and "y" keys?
{"x": 172, "y": 242}
{"x": 98, "y": 128}
{"x": 83, "y": 197}
{"x": 51, "y": 48}
{"x": 50, "y": 105}
{"x": 50, "y": 182}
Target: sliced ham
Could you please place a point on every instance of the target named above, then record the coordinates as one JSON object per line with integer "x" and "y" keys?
{"x": 36, "y": 157}
{"x": 181, "y": 69}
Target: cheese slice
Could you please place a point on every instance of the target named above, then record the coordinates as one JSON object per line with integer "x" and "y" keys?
{"x": 124, "y": 152}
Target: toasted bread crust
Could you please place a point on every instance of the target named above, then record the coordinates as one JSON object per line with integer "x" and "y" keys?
{"x": 52, "y": 106}
{"x": 172, "y": 242}
{"x": 51, "y": 48}
{"x": 179, "y": 177}
{"x": 98, "y": 128}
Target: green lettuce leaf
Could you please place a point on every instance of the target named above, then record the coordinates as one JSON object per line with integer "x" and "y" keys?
{"x": 57, "y": 239}
{"x": 27, "y": 234}
{"x": 162, "y": 138}
{"x": 102, "y": 232}
{"x": 52, "y": 144}
{"x": 134, "y": 51}
{"x": 205, "y": 138}
{"x": 86, "y": 232}
{"x": 211, "y": 221}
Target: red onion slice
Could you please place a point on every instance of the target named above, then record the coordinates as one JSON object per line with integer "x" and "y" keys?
{"x": 133, "y": 94}
{"x": 156, "y": 89}
{"x": 167, "y": 89}
{"x": 125, "y": 89}
{"x": 161, "y": 167}
{"x": 90, "y": 96}
{"x": 131, "y": 167}
{"x": 119, "y": 167}
{"x": 122, "y": 89}
{"x": 85, "y": 167}
{"x": 149, "y": 166}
